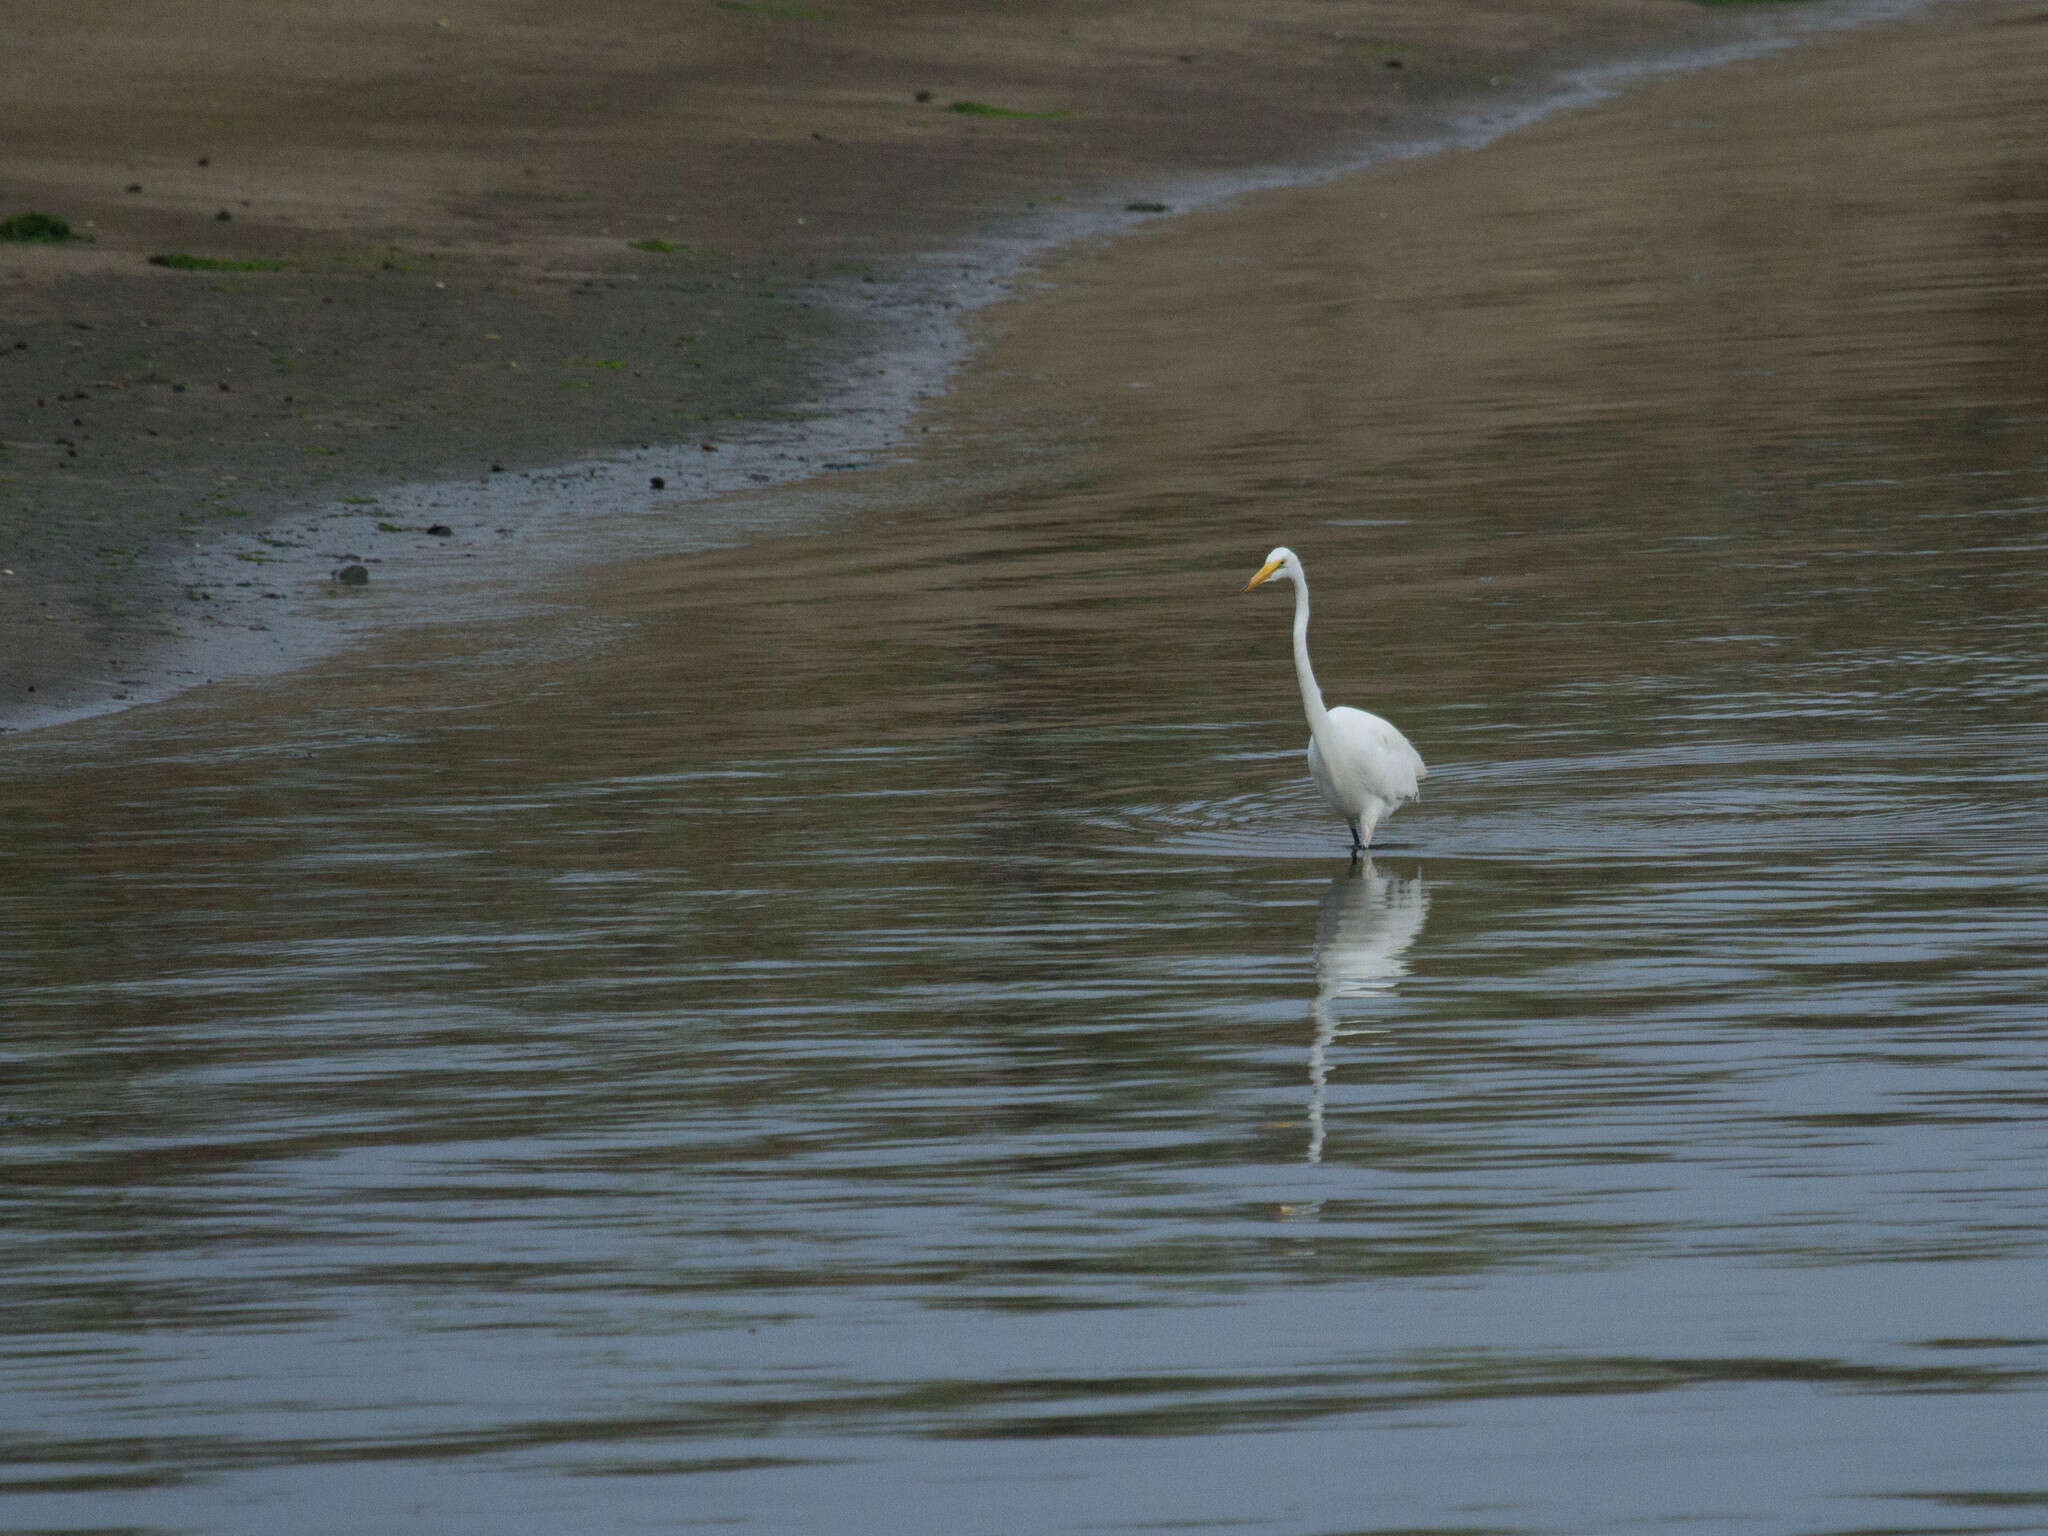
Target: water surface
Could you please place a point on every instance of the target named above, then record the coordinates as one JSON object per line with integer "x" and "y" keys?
{"x": 871, "y": 1030}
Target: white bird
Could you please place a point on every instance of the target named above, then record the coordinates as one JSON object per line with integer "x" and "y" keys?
{"x": 1358, "y": 762}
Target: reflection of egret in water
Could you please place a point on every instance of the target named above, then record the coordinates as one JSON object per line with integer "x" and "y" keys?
{"x": 1366, "y": 924}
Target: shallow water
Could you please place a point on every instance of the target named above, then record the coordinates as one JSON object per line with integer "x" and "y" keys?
{"x": 872, "y": 1031}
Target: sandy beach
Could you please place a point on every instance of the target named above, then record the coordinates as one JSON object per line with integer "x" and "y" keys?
{"x": 321, "y": 251}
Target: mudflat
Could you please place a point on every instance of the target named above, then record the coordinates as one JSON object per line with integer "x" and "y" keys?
{"x": 316, "y": 248}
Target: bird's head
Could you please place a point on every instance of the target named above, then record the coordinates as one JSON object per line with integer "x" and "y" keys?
{"x": 1279, "y": 563}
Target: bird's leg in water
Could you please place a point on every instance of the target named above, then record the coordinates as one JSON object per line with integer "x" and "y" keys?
{"x": 1357, "y": 842}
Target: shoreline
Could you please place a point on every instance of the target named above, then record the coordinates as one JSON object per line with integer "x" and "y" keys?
{"x": 187, "y": 598}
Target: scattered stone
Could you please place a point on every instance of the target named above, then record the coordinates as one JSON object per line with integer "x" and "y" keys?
{"x": 657, "y": 482}
{"x": 223, "y": 217}
{"x": 440, "y": 531}
{"x": 353, "y": 576}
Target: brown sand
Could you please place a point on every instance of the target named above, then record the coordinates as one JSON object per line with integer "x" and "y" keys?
{"x": 461, "y": 200}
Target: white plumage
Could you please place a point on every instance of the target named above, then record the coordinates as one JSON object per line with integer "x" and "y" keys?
{"x": 1358, "y": 762}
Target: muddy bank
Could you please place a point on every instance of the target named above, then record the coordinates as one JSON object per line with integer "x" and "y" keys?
{"x": 465, "y": 243}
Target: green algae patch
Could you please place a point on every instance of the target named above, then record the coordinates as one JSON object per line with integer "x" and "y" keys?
{"x": 36, "y": 229}
{"x": 779, "y": 12}
{"x": 983, "y": 109}
{"x": 185, "y": 261}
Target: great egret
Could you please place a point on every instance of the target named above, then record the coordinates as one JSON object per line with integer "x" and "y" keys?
{"x": 1359, "y": 763}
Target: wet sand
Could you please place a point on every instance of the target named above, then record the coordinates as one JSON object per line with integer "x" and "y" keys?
{"x": 462, "y": 243}
{"x": 1445, "y": 354}
{"x": 1451, "y": 323}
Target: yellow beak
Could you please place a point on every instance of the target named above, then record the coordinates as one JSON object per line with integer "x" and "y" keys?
{"x": 1264, "y": 571}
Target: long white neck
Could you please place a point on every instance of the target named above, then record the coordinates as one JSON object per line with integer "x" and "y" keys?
{"x": 1311, "y": 695}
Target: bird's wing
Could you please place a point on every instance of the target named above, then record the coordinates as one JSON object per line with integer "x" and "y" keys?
{"x": 1394, "y": 767}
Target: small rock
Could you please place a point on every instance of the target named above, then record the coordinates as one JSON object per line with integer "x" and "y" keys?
{"x": 134, "y": 186}
{"x": 657, "y": 482}
{"x": 223, "y": 217}
{"x": 352, "y": 576}
{"x": 440, "y": 530}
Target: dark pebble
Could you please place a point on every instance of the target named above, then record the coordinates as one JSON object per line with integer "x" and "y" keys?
{"x": 441, "y": 530}
{"x": 657, "y": 482}
{"x": 134, "y": 186}
{"x": 352, "y": 576}
{"x": 223, "y": 217}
